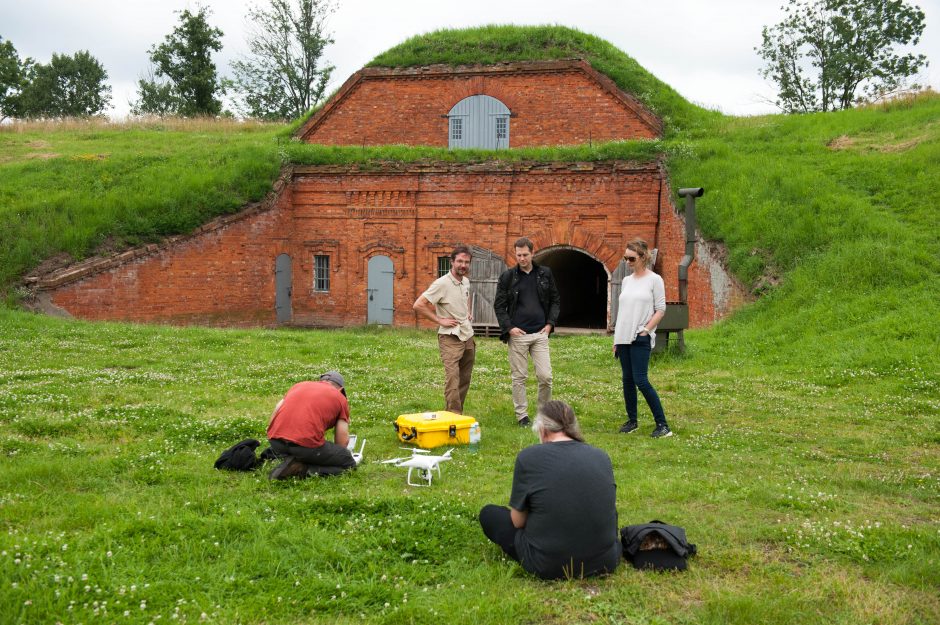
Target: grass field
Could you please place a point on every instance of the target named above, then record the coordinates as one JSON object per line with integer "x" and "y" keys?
{"x": 811, "y": 491}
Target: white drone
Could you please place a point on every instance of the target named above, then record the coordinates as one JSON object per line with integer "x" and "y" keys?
{"x": 423, "y": 462}
{"x": 351, "y": 446}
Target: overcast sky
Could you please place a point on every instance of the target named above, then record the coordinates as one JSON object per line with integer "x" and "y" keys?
{"x": 702, "y": 48}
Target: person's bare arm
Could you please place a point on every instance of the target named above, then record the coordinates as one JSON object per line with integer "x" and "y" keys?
{"x": 276, "y": 408}
{"x": 426, "y": 309}
{"x": 655, "y": 319}
{"x": 519, "y": 517}
{"x": 341, "y": 433}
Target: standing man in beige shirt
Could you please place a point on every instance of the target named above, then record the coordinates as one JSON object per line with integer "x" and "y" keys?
{"x": 447, "y": 303}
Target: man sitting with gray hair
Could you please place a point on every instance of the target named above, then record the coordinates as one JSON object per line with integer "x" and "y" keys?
{"x": 297, "y": 428}
{"x": 562, "y": 519}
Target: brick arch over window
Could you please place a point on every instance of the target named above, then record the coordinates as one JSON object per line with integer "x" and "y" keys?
{"x": 478, "y": 121}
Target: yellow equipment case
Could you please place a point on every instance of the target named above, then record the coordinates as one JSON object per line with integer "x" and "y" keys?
{"x": 434, "y": 429}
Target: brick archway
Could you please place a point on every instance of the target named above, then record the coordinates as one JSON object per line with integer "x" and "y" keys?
{"x": 583, "y": 282}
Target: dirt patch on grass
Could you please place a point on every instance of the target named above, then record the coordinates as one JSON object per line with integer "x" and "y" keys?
{"x": 53, "y": 263}
{"x": 875, "y": 144}
{"x": 841, "y": 143}
{"x": 41, "y": 155}
{"x": 903, "y": 146}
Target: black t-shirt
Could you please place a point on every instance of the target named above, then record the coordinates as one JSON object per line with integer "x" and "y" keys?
{"x": 529, "y": 315}
{"x": 568, "y": 490}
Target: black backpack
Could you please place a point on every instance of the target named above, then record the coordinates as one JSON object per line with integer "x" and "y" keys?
{"x": 239, "y": 457}
{"x": 656, "y": 545}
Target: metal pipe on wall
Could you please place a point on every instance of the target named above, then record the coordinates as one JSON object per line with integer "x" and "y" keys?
{"x": 689, "y": 194}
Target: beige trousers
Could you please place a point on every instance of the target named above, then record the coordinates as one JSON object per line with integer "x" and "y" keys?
{"x": 458, "y": 357}
{"x": 521, "y": 348}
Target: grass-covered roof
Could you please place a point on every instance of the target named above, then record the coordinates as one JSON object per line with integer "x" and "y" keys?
{"x": 494, "y": 44}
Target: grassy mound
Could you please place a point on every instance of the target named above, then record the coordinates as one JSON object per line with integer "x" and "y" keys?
{"x": 71, "y": 188}
{"x": 493, "y": 44}
{"x": 824, "y": 216}
{"x": 829, "y": 218}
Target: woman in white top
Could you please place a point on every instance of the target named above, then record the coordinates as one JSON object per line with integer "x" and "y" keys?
{"x": 642, "y": 305}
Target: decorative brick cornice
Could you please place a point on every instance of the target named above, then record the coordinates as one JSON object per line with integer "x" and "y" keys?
{"x": 489, "y": 168}
{"x": 440, "y": 71}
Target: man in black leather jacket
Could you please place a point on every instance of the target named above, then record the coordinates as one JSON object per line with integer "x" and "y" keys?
{"x": 527, "y": 305}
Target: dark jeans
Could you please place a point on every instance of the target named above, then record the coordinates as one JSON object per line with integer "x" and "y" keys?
{"x": 328, "y": 459}
{"x": 497, "y": 526}
{"x": 634, "y": 362}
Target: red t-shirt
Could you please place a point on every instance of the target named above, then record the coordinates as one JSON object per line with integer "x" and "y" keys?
{"x": 309, "y": 410}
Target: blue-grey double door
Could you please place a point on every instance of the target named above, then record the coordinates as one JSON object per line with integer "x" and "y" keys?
{"x": 380, "y": 290}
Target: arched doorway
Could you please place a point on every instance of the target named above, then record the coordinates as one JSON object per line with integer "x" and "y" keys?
{"x": 582, "y": 284}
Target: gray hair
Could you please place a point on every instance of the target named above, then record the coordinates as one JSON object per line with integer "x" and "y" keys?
{"x": 557, "y": 416}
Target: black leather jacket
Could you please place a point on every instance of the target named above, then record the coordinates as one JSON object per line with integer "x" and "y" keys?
{"x": 507, "y": 296}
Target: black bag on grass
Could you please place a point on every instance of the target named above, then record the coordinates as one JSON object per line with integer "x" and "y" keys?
{"x": 656, "y": 545}
{"x": 239, "y": 457}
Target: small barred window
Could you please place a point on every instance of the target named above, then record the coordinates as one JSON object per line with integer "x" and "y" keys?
{"x": 501, "y": 127}
{"x": 321, "y": 273}
{"x": 443, "y": 266}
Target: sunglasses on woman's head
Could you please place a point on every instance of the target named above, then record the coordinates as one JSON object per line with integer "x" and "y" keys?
{"x": 630, "y": 259}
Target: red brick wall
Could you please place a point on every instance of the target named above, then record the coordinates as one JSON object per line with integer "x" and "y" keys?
{"x": 416, "y": 217}
{"x": 225, "y": 275}
{"x": 561, "y": 103}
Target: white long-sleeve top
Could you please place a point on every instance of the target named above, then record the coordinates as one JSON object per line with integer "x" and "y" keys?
{"x": 639, "y": 299}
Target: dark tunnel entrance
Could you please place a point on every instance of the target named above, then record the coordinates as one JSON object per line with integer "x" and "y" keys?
{"x": 582, "y": 283}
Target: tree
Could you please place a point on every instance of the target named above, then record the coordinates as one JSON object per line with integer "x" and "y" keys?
{"x": 282, "y": 77}
{"x": 184, "y": 59}
{"x": 824, "y": 51}
{"x": 14, "y": 74}
{"x": 69, "y": 86}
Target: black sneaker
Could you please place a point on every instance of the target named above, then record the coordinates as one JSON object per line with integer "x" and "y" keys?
{"x": 524, "y": 422}
{"x": 661, "y": 431}
{"x": 629, "y": 426}
{"x": 291, "y": 467}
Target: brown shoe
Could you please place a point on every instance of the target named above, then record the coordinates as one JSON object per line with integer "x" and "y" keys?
{"x": 291, "y": 467}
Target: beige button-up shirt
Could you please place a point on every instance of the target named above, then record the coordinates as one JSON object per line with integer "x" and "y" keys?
{"x": 451, "y": 298}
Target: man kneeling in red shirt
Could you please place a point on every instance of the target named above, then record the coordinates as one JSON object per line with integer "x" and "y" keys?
{"x": 298, "y": 425}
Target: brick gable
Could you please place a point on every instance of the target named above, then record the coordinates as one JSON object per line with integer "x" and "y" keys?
{"x": 552, "y": 103}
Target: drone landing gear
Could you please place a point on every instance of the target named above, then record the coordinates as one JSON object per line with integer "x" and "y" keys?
{"x": 424, "y": 475}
